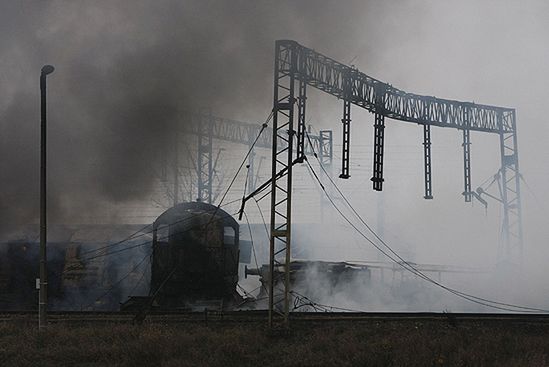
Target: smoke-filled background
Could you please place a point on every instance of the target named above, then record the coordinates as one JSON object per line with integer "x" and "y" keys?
{"x": 126, "y": 70}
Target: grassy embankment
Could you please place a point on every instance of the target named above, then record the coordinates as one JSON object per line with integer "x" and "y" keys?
{"x": 365, "y": 343}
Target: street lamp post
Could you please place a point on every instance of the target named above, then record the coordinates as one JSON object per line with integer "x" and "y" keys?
{"x": 43, "y": 301}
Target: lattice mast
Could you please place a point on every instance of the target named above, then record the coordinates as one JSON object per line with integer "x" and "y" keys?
{"x": 298, "y": 65}
{"x": 207, "y": 128}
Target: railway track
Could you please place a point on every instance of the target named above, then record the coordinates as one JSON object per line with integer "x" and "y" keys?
{"x": 261, "y": 316}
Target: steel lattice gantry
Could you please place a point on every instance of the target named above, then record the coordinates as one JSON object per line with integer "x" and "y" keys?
{"x": 207, "y": 127}
{"x": 239, "y": 132}
{"x": 204, "y": 161}
{"x": 297, "y": 67}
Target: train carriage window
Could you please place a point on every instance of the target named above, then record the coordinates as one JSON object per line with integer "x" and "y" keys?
{"x": 228, "y": 236}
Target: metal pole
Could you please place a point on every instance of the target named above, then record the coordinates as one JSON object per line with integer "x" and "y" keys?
{"x": 175, "y": 171}
{"x": 467, "y": 165}
{"x": 427, "y": 161}
{"x": 43, "y": 301}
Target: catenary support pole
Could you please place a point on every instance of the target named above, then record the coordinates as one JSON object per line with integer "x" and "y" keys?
{"x": 176, "y": 170}
{"x": 427, "y": 162}
{"x": 467, "y": 165}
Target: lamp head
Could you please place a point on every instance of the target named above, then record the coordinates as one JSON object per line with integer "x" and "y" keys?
{"x": 47, "y": 69}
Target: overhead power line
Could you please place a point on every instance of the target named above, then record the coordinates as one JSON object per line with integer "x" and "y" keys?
{"x": 133, "y": 236}
{"x": 142, "y": 233}
{"x": 121, "y": 280}
{"x": 95, "y": 257}
{"x": 263, "y": 127}
{"x": 403, "y": 263}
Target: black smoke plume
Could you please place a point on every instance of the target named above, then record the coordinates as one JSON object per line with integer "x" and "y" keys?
{"x": 125, "y": 72}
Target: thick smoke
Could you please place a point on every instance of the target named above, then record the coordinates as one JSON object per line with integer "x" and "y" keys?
{"x": 126, "y": 70}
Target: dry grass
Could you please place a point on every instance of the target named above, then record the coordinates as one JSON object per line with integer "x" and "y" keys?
{"x": 367, "y": 343}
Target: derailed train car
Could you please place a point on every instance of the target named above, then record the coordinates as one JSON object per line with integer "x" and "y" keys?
{"x": 193, "y": 250}
{"x": 195, "y": 257}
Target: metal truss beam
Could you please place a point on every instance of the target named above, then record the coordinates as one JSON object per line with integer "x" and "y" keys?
{"x": 204, "y": 160}
{"x": 351, "y": 85}
{"x": 512, "y": 241}
{"x": 227, "y": 129}
{"x": 346, "y": 121}
{"x": 176, "y": 170}
{"x": 238, "y": 131}
{"x": 467, "y": 165}
{"x": 301, "y": 102}
{"x": 331, "y": 77}
{"x": 427, "y": 161}
{"x": 379, "y": 137}
{"x": 281, "y": 186}
{"x": 207, "y": 127}
{"x": 326, "y": 147}
{"x": 296, "y": 63}
{"x": 346, "y": 146}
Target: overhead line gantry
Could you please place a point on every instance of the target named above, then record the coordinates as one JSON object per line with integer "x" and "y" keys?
{"x": 297, "y": 67}
{"x": 207, "y": 127}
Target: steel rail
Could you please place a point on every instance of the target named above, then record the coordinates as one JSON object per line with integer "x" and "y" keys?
{"x": 259, "y": 316}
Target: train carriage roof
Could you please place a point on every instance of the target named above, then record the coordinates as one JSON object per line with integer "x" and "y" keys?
{"x": 183, "y": 210}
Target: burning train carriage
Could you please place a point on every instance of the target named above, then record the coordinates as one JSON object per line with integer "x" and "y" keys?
{"x": 190, "y": 260}
{"x": 195, "y": 257}
{"x": 193, "y": 254}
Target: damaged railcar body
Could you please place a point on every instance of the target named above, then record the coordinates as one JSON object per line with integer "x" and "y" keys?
{"x": 195, "y": 258}
{"x": 187, "y": 260}
{"x": 325, "y": 275}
